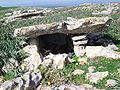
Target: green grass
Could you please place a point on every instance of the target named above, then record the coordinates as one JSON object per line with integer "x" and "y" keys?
{"x": 65, "y": 75}
{"x": 4, "y": 10}
{"x": 9, "y": 47}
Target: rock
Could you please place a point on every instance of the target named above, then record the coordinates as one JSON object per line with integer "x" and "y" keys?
{"x": 85, "y": 25}
{"x": 111, "y": 83}
{"x": 75, "y": 87}
{"x": 96, "y": 77}
{"x": 10, "y": 65}
{"x": 83, "y": 42}
{"x": 79, "y": 50}
{"x": 96, "y": 51}
{"x": 80, "y": 37}
{"x": 32, "y": 62}
{"x": 91, "y": 69}
{"x": 29, "y": 81}
{"x": 30, "y": 49}
{"x": 78, "y": 72}
{"x": 45, "y": 88}
{"x": 26, "y": 14}
{"x": 112, "y": 46}
{"x": 57, "y": 61}
{"x": 8, "y": 14}
{"x": 7, "y": 85}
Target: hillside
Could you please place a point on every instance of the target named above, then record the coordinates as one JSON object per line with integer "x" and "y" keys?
{"x": 70, "y": 48}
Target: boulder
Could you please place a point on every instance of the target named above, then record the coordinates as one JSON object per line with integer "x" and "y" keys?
{"x": 78, "y": 72}
{"x": 96, "y": 51}
{"x": 57, "y": 61}
{"x": 111, "y": 83}
{"x": 91, "y": 69}
{"x": 75, "y": 87}
{"x": 85, "y": 25}
{"x": 29, "y": 81}
{"x": 34, "y": 59}
{"x": 97, "y": 76}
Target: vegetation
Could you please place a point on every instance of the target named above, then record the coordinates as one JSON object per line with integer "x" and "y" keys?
{"x": 9, "y": 47}
{"x": 57, "y": 77}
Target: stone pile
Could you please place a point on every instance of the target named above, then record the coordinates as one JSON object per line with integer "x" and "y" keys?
{"x": 25, "y": 14}
{"x": 79, "y": 43}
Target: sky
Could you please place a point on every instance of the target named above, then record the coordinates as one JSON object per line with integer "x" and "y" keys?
{"x": 50, "y": 2}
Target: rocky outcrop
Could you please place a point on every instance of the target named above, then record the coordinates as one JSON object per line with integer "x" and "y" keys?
{"x": 71, "y": 26}
{"x": 29, "y": 81}
{"x": 25, "y": 14}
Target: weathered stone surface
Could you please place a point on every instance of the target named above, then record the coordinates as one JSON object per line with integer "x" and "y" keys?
{"x": 80, "y": 37}
{"x": 96, "y": 77}
{"x": 111, "y": 83}
{"x": 96, "y": 51}
{"x": 28, "y": 14}
{"x": 78, "y": 72}
{"x": 79, "y": 50}
{"x": 75, "y": 87}
{"x": 91, "y": 69}
{"x": 69, "y": 87}
{"x": 29, "y": 81}
{"x": 57, "y": 61}
{"x": 86, "y": 25}
{"x": 83, "y": 42}
{"x": 34, "y": 59}
{"x": 45, "y": 88}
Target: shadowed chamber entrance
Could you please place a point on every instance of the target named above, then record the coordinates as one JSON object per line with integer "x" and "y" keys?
{"x": 55, "y": 43}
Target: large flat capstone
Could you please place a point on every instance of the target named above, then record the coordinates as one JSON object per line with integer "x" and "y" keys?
{"x": 71, "y": 26}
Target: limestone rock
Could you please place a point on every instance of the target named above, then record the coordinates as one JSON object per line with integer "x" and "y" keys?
{"x": 74, "y": 87}
{"x": 80, "y": 37}
{"x": 34, "y": 59}
{"x": 57, "y": 61}
{"x": 78, "y": 72}
{"x": 45, "y": 88}
{"x": 96, "y": 51}
{"x": 79, "y": 50}
{"x": 30, "y": 49}
{"x": 96, "y": 77}
{"x": 91, "y": 69}
{"x": 85, "y": 25}
{"x": 29, "y": 81}
{"x": 83, "y": 42}
{"x": 111, "y": 83}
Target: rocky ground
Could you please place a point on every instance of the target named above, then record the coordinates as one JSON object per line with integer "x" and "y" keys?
{"x": 71, "y": 48}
